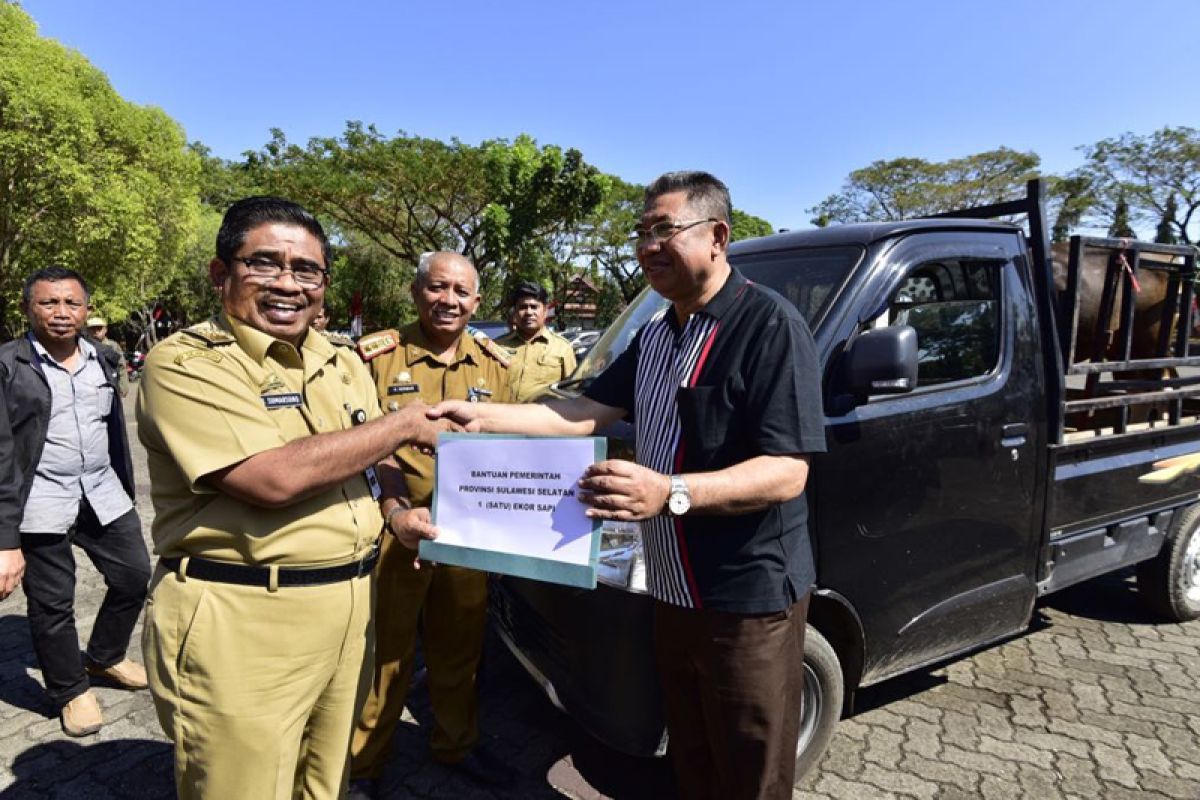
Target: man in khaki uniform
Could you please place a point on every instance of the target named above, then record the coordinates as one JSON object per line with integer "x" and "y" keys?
{"x": 263, "y": 439}
{"x": 540, "y": 356}
{"x": 430, "y": 360}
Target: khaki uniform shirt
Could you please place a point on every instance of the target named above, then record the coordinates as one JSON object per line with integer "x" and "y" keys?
{"x": 411, "y": 372}
{"x": 219, "y": 392}
{"x": 537, "y": 363}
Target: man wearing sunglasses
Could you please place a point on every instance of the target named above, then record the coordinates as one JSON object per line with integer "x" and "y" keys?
{"x": 725, "y": 391}
{"x": 266, "y": 449}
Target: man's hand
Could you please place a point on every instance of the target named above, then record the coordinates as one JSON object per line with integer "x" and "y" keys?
{"x": 459, "y": 411}
{"x": 420, "y": 428}
{"x": 411, "y": 526}
{"x": 617, "y": 489}
{"x": 12, "y": 569}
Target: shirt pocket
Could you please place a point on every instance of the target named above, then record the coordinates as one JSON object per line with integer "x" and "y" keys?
{"x": 104, "y": 400}
{"x": 706, "y": 420}
{"x": 547, "y": 369}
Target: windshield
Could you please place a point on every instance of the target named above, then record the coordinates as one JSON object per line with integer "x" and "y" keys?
{"x": 809, "y": 278}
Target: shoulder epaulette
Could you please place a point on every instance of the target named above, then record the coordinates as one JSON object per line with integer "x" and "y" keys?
{"x": 374, "y": 345}
{"x": 339, "y": 340}
{"x": 212, "y": 335}
{"x": 492, "y": 349}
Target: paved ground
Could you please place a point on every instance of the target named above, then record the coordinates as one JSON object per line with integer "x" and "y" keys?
{"x": 1098, "y": 700}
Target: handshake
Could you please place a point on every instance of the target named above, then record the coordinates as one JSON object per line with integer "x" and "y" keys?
{"x": 418, "y": 424}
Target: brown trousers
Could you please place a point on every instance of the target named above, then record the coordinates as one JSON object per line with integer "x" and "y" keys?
{"x": 732, "y": 685}
{"x": 449, "y": 606}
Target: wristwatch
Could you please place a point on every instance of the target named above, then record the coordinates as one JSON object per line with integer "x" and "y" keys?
{"x": 680, "y": 499}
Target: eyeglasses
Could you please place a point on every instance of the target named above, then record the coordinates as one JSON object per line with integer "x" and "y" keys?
{"x": 308, "y": 276}
{"x": 661, "y": 231}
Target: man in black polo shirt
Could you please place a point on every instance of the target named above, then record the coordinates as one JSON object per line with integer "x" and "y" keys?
{"x": 725, "y": 391}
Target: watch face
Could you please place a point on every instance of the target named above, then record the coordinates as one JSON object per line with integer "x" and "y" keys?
{"x": 679, "y": 503}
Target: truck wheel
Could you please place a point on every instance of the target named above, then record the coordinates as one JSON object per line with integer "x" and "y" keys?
{"x": 1169, "y": 583}
{"x": 822, "y": 697}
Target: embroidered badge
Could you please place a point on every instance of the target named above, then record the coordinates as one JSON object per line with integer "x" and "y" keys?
{"x": 407, "y": 388}
{"x": 271, "y": 384}
{"x": 289, "y": 400}
{"x": 187, "y": 355}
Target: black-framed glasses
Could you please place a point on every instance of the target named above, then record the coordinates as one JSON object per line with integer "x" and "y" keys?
{"x": 308, "y": 276}
{"x": 661, "y": 231}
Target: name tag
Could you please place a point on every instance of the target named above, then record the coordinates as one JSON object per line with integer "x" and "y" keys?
{"x": 291, "y": 400}
{"x": 403, "y": 389}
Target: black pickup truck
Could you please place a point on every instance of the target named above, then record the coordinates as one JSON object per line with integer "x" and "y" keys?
{"x": 975, "y": 462}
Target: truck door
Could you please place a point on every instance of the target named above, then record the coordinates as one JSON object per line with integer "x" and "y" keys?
{"x": 927, "y": 503}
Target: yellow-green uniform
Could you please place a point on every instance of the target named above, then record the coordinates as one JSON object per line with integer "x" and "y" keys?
{"x": 448, "y": 603}
{"x": 257, "y": 687}
{"x": 536, "y": 363}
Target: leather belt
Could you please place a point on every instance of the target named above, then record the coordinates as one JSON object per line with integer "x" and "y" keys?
{"x": 247, "y": 575}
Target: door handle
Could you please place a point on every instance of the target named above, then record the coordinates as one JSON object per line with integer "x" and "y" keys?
{"x": 1013, "y": 434}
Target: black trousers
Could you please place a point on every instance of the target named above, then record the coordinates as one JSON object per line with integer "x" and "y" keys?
{"x": 119, "y": 553}
{"x": 731, "y": 685}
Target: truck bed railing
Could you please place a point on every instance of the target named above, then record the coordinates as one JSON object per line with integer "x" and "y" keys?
{"x": 1141, "y": 345}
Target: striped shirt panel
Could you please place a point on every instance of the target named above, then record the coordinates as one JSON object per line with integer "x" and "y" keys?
{"x": 667, "y": 362}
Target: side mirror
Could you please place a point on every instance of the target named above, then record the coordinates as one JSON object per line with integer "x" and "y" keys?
{"x": 882, "y": 361}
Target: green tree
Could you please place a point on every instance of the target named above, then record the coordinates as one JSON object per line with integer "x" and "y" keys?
{"x": 499, "y": 203}
{"x": 904, "y": 188}
{"x": 1165, "y": 232}
{"x": 1120, "y": 227}
{"x": 1070, "y": 198}
{"x": 87, "y": 179}
{"x": 1148, "y": 172}
{"x": 748, "y": 226}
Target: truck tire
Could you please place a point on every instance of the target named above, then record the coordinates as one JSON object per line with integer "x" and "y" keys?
{"x": 822, "y": 697}
{"x": 1169, "y": 583}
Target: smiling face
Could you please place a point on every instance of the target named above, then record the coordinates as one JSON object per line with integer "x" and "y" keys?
{"x": 279, "y": 307}
{"x": 446, "y": 297}
{"x": 56, "y": 312}
{"x": 684, "y": 267}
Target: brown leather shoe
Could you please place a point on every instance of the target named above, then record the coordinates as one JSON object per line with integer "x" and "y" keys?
{"x": 81, "y": 715}
{"x": 126, "y": 674}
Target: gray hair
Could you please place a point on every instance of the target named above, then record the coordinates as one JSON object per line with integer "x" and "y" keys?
{"x": 425, "y": 263}
{"x": 706, "y": 194}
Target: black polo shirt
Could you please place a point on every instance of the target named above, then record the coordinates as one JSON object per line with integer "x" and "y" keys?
{"x": 739, "y": 379}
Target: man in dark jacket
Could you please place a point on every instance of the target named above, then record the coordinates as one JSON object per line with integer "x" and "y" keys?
{"x": 66, "y": 477}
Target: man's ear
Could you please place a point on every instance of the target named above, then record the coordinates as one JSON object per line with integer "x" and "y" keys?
{"x": 721, "y": 233}
{"x": 218, "y": 272}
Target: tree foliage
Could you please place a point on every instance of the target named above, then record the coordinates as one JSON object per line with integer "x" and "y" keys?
{"x": 1148, "y": 172}
{"x": 498, "y": 203}
{"x": 87, "y": 179}
{"x": 913, "y": 187}
{"x": 1120, "y": 227}
{"x": 748, "y": 226}
{"x": 1165, "y": 232}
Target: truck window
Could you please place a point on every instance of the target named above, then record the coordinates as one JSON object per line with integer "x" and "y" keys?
{"x": 954, "y": 307}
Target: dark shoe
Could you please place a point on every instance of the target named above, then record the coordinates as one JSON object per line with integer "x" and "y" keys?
{"x": 364, "y": 789}
{"x": 485, "y": 769}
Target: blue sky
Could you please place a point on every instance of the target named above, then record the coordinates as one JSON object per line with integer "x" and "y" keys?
{"x": 780, "y": 99}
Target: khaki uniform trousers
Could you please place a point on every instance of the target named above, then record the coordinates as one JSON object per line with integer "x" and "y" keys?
{"x": 449, "y": 604}
{"x": 258, "y": 689}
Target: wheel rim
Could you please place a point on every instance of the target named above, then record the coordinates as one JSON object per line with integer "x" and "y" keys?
{"x": 812, "y": 699}
{"x": 1191, "y": 570}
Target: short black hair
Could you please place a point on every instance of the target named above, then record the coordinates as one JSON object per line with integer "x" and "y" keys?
{"x": 528, "y": 289}
{"x": 53, "y": 273}
{"x": 705, "y": 193}
{"x": 248, "y": 213}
